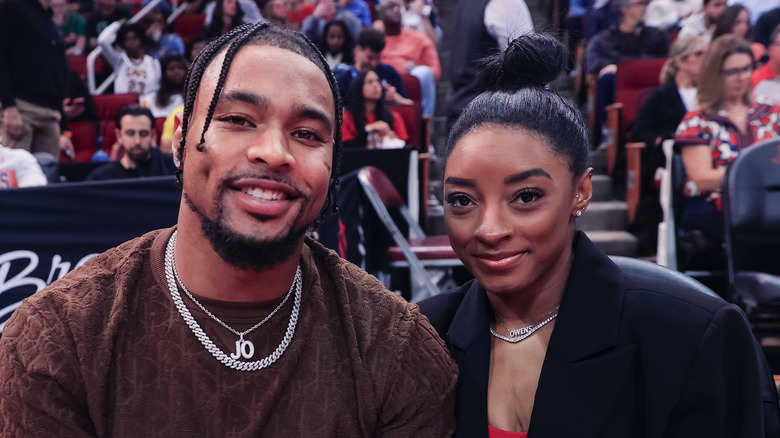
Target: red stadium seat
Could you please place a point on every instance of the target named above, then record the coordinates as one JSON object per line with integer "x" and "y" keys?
{"x": 419, "y": 253}
{"x": 631, "y": 78}
{"x": 108, "y": 105}
{"x": 84, "y": 138}
{"x": 189, "y": 25}
{"x": 159, "y": 122}
{"x": 107, "y": 130}
{"x": 78, "y": 63}
{"x": 411, "y": 120}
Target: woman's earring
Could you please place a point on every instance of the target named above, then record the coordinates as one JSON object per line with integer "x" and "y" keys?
{"x": 578, "y": 213}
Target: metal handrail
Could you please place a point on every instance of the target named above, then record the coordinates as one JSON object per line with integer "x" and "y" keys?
{"x": 92, "y": 57}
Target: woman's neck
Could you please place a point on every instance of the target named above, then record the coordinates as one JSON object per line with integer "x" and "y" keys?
{"x": 370, "y": 107}
{"x": 684, "y": 80}
{"x": 526, "y": 306}
{"x": 731, "y": 104}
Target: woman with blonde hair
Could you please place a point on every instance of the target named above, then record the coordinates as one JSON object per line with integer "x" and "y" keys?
{"x": 657, "y": 120}
{"x": 728, "y": 119}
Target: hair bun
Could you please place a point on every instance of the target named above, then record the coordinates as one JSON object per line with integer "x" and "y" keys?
{"x": 531, "y": 60}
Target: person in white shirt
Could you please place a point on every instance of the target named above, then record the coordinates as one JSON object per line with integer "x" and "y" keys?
{"x": 19, "y": 168}
{"x": 169, "y": 96}
{"x": 703, "y": 23}
{"x": 136, "y": 72}
{"x": 667, "y": 14}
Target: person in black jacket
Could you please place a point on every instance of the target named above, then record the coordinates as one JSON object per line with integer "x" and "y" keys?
{"x": 135, "y": 135}
{"x": 657, "y": 120}
{"x": 552, "y": 338}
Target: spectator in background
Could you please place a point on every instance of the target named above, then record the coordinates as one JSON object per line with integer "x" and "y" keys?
{"x": 667, "y": 14}
{"x": 223, "y": 15}
{"x": 160, "y": 41}
{"x": 193, "y": 47}
{"x": 170, "y": 94}
{"x": 135, "y": 134}
{"x": 728, "y": 119}
{"x": 411, "y": 52}
{"x": 299, "y": 12}
{"x": 108, "y": 11}
{"x": 368, "y": 56}
{"x": 419, "y": 15}
{"x": 338, "y": 45}
{"x": 628, "y": 39}
{"x": 19, "y": 168}
{"x": 765, "y": 25}
{"x": 735, "y": 20}
{"x": 324, "y": 11}
{"x": 483, "y": 27}
{"x": 136, "y": 72}
{"x": 657, "y": 120}
{"x": 367, "y": 121}
{"x": 358, "y": 8}
{"x": 766, "y": 79}
{"x": 277, "y": 11}
{"x": 72, "y": 25}
{"x": 703, "y": 23}
{"x": 33, "y": 72}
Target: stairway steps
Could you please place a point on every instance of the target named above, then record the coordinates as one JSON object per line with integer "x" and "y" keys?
{"x": 607, "y": 216}
{"x": 620, "y": 243}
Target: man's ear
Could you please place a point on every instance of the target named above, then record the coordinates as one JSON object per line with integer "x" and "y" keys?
{"x": 178, "y": 159}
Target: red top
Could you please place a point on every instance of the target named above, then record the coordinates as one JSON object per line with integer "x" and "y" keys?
{"x": 494, "y": 432}
{"x": 349, "y": 130}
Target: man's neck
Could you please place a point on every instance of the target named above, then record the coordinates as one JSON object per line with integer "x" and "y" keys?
{"x": 628, "y": 25}
{"x": 774, "y": 65}
{"x": 392, "y": 29}
{"x": 129, "y": 163}
{"x": 204, "y": 272}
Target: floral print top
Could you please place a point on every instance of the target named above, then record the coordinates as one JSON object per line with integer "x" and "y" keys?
{"x": 724, "y": 138}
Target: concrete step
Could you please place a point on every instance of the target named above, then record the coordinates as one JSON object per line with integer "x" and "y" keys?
{"x": 604, "y": 216}
{"x": 602, "y": 188}
{"x": 598, "y": 161}
{"x": 620, "y": 243}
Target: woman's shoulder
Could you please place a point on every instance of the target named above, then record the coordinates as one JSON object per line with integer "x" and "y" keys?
{"x": 441, "y": 309}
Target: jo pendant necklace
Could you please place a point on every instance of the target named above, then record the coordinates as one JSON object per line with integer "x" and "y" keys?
{"x": 521, "y": 333}
{"x": 244, "y": 348}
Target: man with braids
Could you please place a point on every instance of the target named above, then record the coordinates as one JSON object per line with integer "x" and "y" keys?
{"x": 232, "y": 323}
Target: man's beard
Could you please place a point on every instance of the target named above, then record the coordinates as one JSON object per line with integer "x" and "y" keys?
{"x": 138, "y": 158}
{"x": 245, "y": 252}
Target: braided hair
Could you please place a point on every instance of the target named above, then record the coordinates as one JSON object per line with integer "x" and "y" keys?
{"x": 262, "y": 34}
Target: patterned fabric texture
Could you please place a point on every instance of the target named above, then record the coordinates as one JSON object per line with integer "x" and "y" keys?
{"x": 724, "y": 138}
{"x": 104, "y": 352}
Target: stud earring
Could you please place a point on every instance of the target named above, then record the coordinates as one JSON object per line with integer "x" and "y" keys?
{"x": 576, "y": 196}
{"x": 578, "y": 213}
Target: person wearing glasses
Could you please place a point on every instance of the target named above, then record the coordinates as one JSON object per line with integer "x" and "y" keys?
{"x": 657, "y": 120}
{"x": 728, "y": 119}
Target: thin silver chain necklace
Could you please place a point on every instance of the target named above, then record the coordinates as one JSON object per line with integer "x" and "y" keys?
{"x": 518, "y": 335}
{"x": 244, "y": 348}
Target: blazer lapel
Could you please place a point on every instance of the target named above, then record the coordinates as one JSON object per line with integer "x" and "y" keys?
{"x": 584, "y": 375}
{"x": 469, "y": 336}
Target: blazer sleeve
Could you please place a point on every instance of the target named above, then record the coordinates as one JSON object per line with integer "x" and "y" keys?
{"x": 729, "y": 392}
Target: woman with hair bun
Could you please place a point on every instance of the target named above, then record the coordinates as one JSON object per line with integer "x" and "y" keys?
{"x": 553, "y": 339}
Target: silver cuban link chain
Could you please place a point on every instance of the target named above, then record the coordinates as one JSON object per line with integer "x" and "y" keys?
{"x": 244, "y": 348}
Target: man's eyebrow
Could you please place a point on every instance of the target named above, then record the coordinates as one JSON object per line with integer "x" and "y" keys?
{"x": 454, "y": 180}
{"x": 309, "y": 112}
{"x": 245, "y": 97}
{"x": 525, "y": 175}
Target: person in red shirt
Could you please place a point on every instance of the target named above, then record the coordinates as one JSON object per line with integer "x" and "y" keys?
{"x": 411, "y": 52}
{"x": 771, "y": 69}
{"x": 367, "y": 121}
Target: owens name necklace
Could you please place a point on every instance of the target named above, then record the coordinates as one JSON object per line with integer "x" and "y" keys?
{"x": 518, "y": 335}
{"x": 244, "y": 348}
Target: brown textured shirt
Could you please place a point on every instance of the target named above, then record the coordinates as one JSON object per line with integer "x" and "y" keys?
{"x": 104, "y": 352}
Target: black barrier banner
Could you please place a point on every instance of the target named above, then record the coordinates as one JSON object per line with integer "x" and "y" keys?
{"x": 45, "y": 232}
